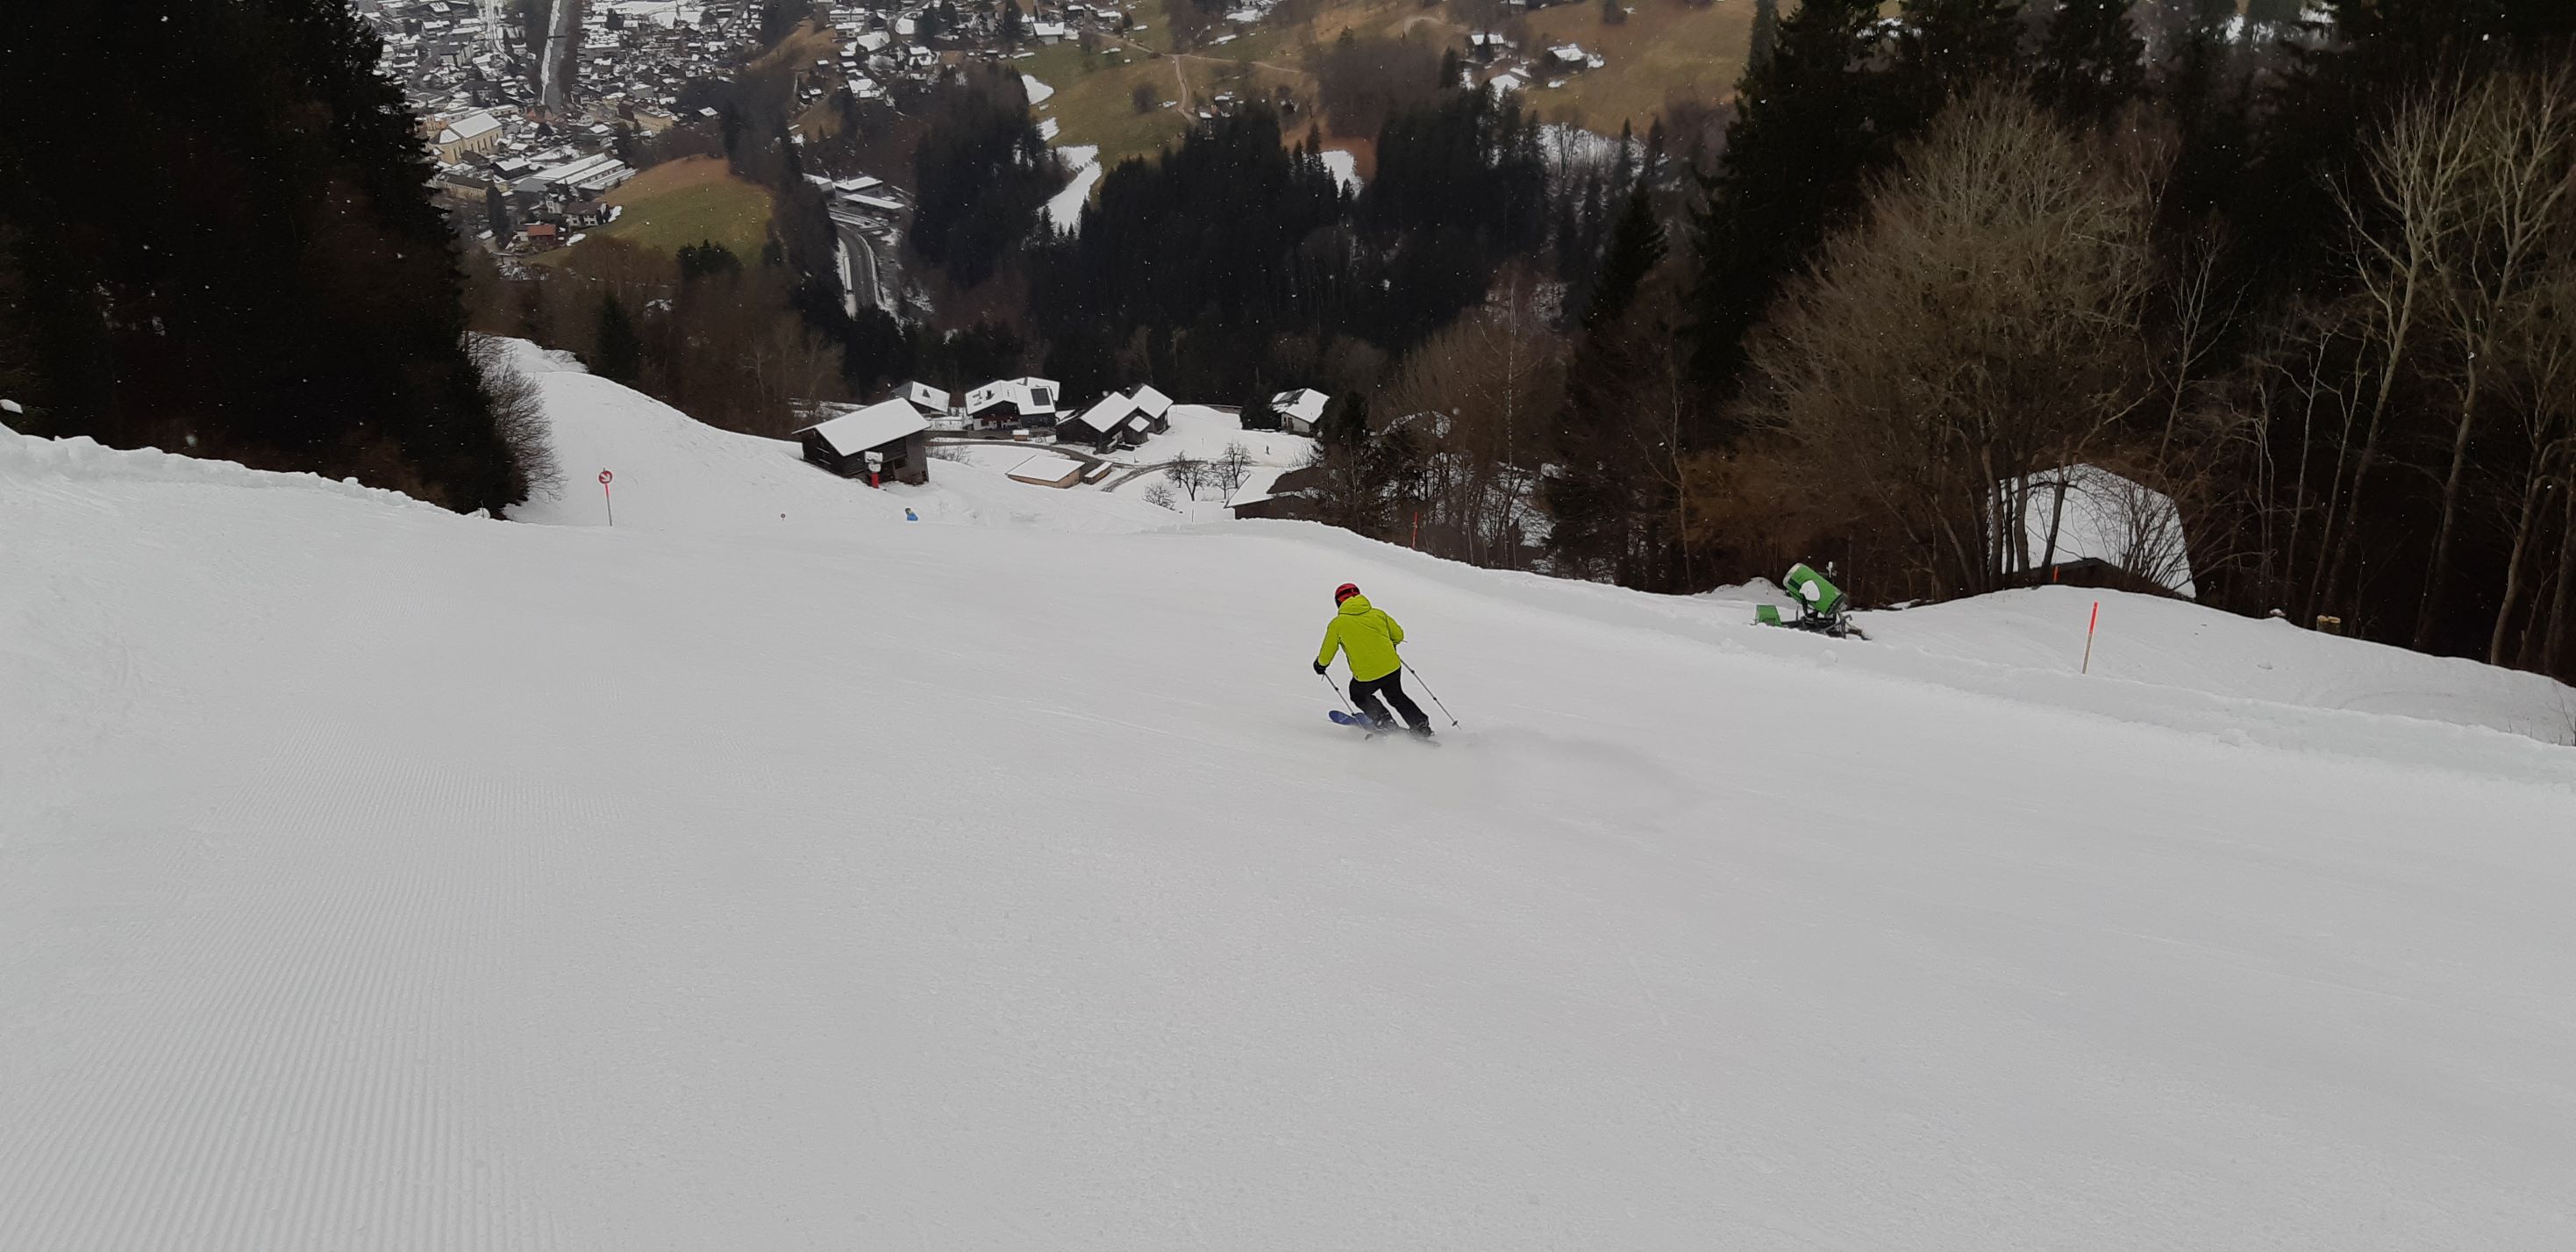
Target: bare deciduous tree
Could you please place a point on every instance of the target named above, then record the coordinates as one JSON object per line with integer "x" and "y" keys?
{"x": 1230, "y": 470}
{"x": 1480, "y": 391}
{"x": 1983, "y": 323}
{"x": 2536, "y": 362}
{"x": 2517, "y": 138}
{"x": 2401, "y": 217}
{"x": 517, "y": 411}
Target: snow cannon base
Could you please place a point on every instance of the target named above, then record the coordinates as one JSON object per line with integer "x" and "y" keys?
{"x": 1822, "y": 607}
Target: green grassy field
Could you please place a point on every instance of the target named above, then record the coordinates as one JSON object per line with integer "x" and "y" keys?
{"x": 1094, "y": 97}
{"x": 681, "y": 202}
{"x": 1663, "y": 49}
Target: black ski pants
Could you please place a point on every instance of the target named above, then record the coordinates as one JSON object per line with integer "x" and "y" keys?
{"x": 1365, "y": 693}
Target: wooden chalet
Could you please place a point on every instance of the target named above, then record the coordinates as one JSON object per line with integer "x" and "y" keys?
{"x": 893, "y": 429}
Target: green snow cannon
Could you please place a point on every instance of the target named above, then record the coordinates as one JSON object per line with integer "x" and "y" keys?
{"x": 1822, "y": 606}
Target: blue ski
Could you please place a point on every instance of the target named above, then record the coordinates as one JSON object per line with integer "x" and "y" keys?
{"x": 1367, "y": 731}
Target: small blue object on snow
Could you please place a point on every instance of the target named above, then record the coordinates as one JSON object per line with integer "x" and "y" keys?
{"x": 910, "y": 516}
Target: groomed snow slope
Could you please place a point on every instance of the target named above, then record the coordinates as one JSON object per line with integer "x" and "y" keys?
{"x": 376, "y": 878}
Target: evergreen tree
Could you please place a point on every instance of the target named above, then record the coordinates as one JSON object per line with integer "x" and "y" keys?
{"x": 282, "y": 294}
{"x": 1460, "y": 186}
{"x": 496, "y": 211}
{"x": 978, "y": 176}
{"x": 1637, "y": 246}
{"x": 1010, "y": 25}
{"x": 1205, "y": 238}
{"x": 1766, "y": 35}
{"x": 1344, "y": 425}
{"x": 2205, "y": 92}
{"x": 706, "y": 257}
{"x": 619, "y": 356}
{"x": 2092, "y": 62}
{"x": 1081, "y": 362}
{"x": 1807, "y": 129}
{"x": 1947, "y": 46}
{"x": 1596, "y": 497}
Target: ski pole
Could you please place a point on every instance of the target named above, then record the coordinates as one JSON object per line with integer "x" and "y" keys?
{"x": 1426, "y": 690}
{"x": 1338, "y": 697}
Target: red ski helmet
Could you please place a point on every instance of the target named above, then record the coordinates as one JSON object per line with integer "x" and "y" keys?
{"x": 1345, "y": 592}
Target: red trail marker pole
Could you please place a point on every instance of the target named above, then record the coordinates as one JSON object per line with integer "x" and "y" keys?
{"x": 604, "y": 478}
{"x": 2088, "y": 636}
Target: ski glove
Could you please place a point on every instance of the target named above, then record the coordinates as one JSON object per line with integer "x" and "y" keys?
{"x": 1320, "y": 667}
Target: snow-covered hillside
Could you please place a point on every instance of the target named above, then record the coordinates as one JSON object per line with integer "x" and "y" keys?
{"x": 672, "y": 472}
{"x": 372, "y": 877}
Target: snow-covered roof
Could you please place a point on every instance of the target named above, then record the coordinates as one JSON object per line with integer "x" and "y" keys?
{"x": 1047, "y": 469}
{"x": 470, "y": 127}
{"x": 1305, "y": 404}
{"x": 2110, "y": 519}
{"x": 1106, "y": 413}
{"x": 924, "y": 396}
{"x": 874, "y": 426}
{"x": 1152, "y": 402}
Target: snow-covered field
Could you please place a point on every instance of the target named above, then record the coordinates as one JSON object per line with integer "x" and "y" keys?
{"x": 372, "y": 877}
{"x": 1203, "y": 432}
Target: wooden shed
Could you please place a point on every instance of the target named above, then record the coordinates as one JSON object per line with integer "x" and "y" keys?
{"x": 1047, "y": 470}
{"x": 893, "y": 429}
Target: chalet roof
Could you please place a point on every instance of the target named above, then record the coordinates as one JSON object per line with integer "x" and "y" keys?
{"x": 1305, "y": 404}
{"x": 1153, "y": 403}
{"x": 875, "y": 426}
{"x": 1034, "y": 396}
{"x": 924, "y": 396}
{"x": 1106, "y": 413}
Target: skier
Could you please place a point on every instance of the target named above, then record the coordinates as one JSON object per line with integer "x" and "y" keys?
{"x": 1367, "y": 637}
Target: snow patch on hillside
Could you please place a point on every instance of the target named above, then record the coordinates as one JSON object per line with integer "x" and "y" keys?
{"x": 1345, "y": 167}
{"x": 673, "y": 472}
{"x": 1064, "y": 209}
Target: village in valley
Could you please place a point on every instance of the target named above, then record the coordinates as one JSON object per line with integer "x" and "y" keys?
{"x": 1138, "y": 441}
{"x": 532, "y": 150}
